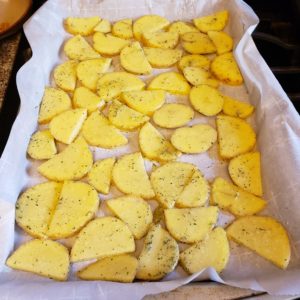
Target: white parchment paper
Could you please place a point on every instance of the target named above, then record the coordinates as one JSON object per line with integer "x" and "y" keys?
{"x": 276, "y": 122}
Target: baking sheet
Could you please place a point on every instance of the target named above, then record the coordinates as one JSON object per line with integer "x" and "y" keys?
{"x": 276, "y": 121}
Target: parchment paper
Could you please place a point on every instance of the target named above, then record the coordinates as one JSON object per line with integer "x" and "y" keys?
{"x": 276, "y": 122}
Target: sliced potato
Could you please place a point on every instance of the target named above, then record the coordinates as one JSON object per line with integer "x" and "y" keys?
{"x": 119, "y": 268}
{"x": 43, "y": 257}
{"x": 41, "y": 145}
{"x": 263, "y": 235}
{"x": 222, "y": 41}
{"x": 171, "y": 82}
{"x": 215, "y": 22}
{"x": 197, "y": 43}
{"x": 236, "y": 108}
{"x": 212, "y": 251}
{"x": 194, "y": 60}
{"x": 159, "y": 215}
{"x": 103, "y": 26}
{"x": 235, "y": 136}
{"x": 65, "y": 75}
{"x": 161, "y": 39}
{"x": 123, "y": 29}
{"x": 100, "y": 174}
{"x": 206, "y": 100}
{"x": 197, "y": 76}
{"x": 70, "y": 164}
{"x": 134, "y": 211}
{"x": 162, "y": 58}
{"x": 181, "y": 27}
{"x": 159, "y": 255}
{"x": 130, "y": 176}
{"x": 102, "y": 237}
{"x": 234, "y": 199}
{"x": 245, "y": 172}
{"x": 82, "y": 26}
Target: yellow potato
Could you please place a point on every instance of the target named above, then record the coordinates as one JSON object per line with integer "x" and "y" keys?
{"x": 161, "y": 39}
{"x": 263, "y": 235}
{"x": 197, "y": 76}
{"x": 159, "y": 215}
{"x": 82, "y": 26}
{"x": 215, "y": 22}
{"x": 212, "y": 251}
{"x": 222, "y": 41}
{"x": 70, "y": 164}
{"x": 206, "y": 100}
{"x": 41, "y": 145}
{"x": 225, "y": 68}
{"x": 236, "y": 108}
{"x": 197, "y": 43}
{"x": 99, "y": 132}
{"x": 245, "y": 172}
{"x": 102, "y": 237}
{"x": 43, "y": 257}
{"x": 119, "y": 268}
{"x": 159, "y": 255}
{"x": 171, "y": 82}
{"x": 130, "y": 176}
{"x": 123, "y": 29}
{"x": 234, "y": 199}
{"x": 134, "y": 211}
{"x": 196, "y": 139}
{"x": 54, "y": 102}
{"x": 65, "y": 75}
{"x": 235, "y": 136}
{"x": 173, "y": 115}
{"x": 194, "y": 60}
{"x": 103, "y": 26}
{"x": 181, "y": 28}
{"x": 162, "y": 58}
{"x": 133, "y": 59}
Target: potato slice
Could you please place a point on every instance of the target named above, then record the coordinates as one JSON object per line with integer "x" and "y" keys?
{"x": 99, "y": 132}
{"x": 54, "y": 102}
{"x": 89, "y": 71}
{"x": 35, "y": 207}
{"x": 134, "y": 211}
{"x": 78, "y": 48}
{"x": 197, "y": 76}
{"x": 158, "y": 215}
{"x": 84, "y": 98}
{"x": 171, "y": 82}
{"x": 195, "y": 193}
{"x": 148, "y": 23}
{"x": 234, "y": 199}
{"x": 100, "y": 175}
{"x": 155, "y": 146}
{"x": 162, "y": 58}
{"x": 82, "y": 26}
{"x": 65, "y": 75}
{"x": 245, "y": 172}
{"x": 111, "y": 85}
{"x": 225, "y": 68}
{"x": 130, "y": 176}
{"x": 236, "y": 108}
{"x": 181, "y": 27}
{"x": 222, "y": 41}
{"x": 196, "y": 139}
{"x": 41, "y": 145}
{"x": 123, "y": 29}
{"x": 206, "y": 100}
{"x": 70, "y": 164}
{"x": 161, "y": 39}
{"x": 235, "y": 136}
{"x": 212, "y": 251}
{"x": 194, "y": 60}
{"x": 103, "y": 26}
{"x": 108, "y": 44}
{"x": 173, "y": 115}
{"x": 43, "y": 257}
{"x": 215, "y": 22}
{"x": 190, "y": 225}
{"x": 102, "y": 237}
{"x": 263, "y": 235}
{"x": 78, "y": 202}
{"x": 197, "y": 43}
{"x": 145, "y": 102}
{"x": 169, "y": 180}
{"x": 159, "y": 256}
{"x": 119, "y": 268}
{"x": 133, "y": 59}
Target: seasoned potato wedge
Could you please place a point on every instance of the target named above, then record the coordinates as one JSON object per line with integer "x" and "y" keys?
{"x": 159, "y": 255}
{"x": 119, "y": 268}
{"x": 123, "y": 29}
{"x": 134, "y": 211}
{"x": 65, "y": 75}
{"x": 234, "y": 199}
{"x": 235, "y": 136}
{"x": 130, "y": 176}
{"x": 82, "y": 26}
{"x": 215, "y": 22}
{"x": 43, "y": 257}
{"x": 100, "y": 175}
{"x": 245, "y": 172}
{"x": 206, "y": 100}
{"x": 158, "y": 215}
{"x": 196, "y": 139}
{"x": 181, "y": 27}
{"x": 103, "y": 26}
{"x": 236, "y": 108}
{"x": 212, "y": 251}
{"x": 102, "y": 237}
{"x": 173, "y": 115}
{"x": 197, "y": 76}
{"x": 194, "y": 60}
{"x": 161, "y": 39}
{"x": 171, "y": 82}
{"x": 263, "y": 235}
{"x": 197, "y": 43}
{"x": 222, "y": 41}
{"x": 162, "y": 58}
{"x": 70, "y": 164}
{"x": 41, "y": 145}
